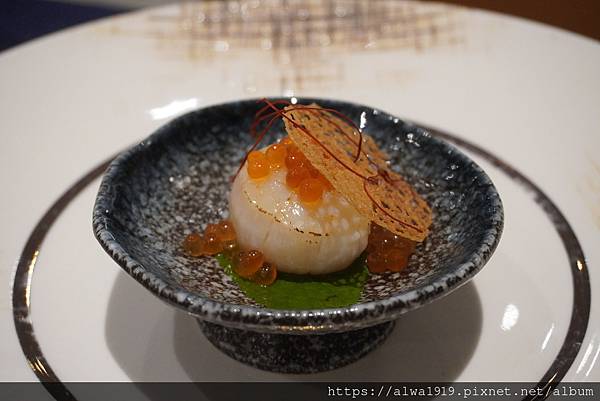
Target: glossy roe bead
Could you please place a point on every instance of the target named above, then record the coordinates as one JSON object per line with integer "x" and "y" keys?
{"x": 276, "y": 155}
{"x": 310, "y": 190}
{"x": 212, "y": 244}
{"x": 266, "y": 275}
{"x": 248, "y": 263}
{"x": 295, "y": 176}
{"x": 226, "y": 232}
{"x": 294, "y": 158}
{"x": 193, "y": 244}
{"x": 258, "y": 165}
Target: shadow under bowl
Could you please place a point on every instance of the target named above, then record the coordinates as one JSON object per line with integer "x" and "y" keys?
{"x": 177, "y": 181}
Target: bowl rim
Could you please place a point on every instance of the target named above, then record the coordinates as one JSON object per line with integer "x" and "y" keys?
{"x": 306, "y": 321}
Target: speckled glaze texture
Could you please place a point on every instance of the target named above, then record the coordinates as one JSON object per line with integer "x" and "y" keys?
{"x": 178, "y": 180}
{"x": 289, "y": 353}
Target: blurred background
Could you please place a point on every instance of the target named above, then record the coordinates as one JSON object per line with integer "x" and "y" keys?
{"x": 23, "y": 20}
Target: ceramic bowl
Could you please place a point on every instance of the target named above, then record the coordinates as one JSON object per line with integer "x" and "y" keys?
{"x": 177, "y": 181}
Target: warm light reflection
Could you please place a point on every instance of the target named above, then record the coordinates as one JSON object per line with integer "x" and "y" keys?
{"x": 547, "y": 339}
{"x": 41, "y": 366}
{"x": 172, "y": 109}
{"x": 586, "y": 355}
{"x": 511, "y": 315}
{"x": 580, "y": 265}
{"x": 30, "y": 276}
{"x": 37, "y": 366}
{"x": 363, "y": 120}
{"x": 593, "y": 363}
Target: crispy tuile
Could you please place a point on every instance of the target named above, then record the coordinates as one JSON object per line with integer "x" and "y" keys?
{"x": 378, "y": 193}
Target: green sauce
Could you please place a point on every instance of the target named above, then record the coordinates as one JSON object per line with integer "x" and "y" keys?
{"x": 293, "y": 291}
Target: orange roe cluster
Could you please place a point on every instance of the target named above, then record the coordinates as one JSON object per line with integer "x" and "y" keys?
{"x": 387, "y": 251}
{"x": 217, "y": 238}
{"x": 221, "y": 238}
{"x": 301, "y": 176}
{"x": 252, "y": 266}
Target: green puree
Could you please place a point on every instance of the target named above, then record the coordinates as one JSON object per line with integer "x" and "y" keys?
{"x": 293, "y": 291}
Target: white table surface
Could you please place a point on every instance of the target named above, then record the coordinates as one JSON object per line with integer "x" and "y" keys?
{"x": 527, "y": 92}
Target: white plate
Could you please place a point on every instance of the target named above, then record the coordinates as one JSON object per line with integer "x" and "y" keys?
{"x": 527, "y": 93}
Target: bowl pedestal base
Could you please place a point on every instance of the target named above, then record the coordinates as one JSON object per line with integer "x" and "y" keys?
{"x": 292, "y": 353}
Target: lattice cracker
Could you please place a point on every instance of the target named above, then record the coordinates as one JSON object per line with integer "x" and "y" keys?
{"x": 378, "y": 193}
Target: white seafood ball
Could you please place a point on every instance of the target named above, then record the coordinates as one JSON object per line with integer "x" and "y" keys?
{"x": 269, "y": 217}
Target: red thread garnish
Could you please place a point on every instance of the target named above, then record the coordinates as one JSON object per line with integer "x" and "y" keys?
{"x": 270, "y": 113}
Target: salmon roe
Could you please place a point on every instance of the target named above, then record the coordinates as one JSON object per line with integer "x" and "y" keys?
{"x": 301, "y": 175}
{"x": 221, "y": 238}
{"x": 258, "y": 165}
{"x": 230, "y": 248}
{"x": 226, "y": 232}
{"x": 310, "y": 190}
{"x": 326, "y": 184}
{"x": 212, "y": 229}
{"x": 212, "y": 244}
{"x": 248, "y": 263}
{"x": 294, "y": 158}
{"x": 266, "y": 275}
{"x": 387, "y": 251}
{"x": 295, "y": 176}
{"x": 194, "y": 244}
{"x": 276, "y": 155}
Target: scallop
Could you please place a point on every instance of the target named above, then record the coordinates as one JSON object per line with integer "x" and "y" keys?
{"x": 299, "y": 239}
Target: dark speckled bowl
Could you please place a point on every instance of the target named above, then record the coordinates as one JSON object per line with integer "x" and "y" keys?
{"x": 177, "y": 180}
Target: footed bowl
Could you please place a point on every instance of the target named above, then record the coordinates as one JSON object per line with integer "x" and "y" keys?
{"x": 177, "y": 181}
